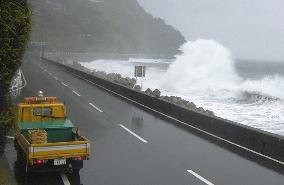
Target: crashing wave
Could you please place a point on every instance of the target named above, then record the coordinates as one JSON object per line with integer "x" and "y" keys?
{"x": 252, "y": 97}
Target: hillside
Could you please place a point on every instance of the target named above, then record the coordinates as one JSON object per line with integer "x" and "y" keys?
{"x": 104, "y": 26}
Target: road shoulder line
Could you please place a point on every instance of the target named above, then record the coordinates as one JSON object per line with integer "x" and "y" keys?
{"x": 64, "y": 179}
{"x": 25, "y": 82}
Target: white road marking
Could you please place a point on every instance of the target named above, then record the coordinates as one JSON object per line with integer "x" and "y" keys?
{"x": 64, "y": 84}
{"x": 200, "y": 177}
{"x": 25, "y": 82}
{"x": 186, "y": 124}
{"x": 10, "y": 137}
{"x": 95, "y": 107}
{"x": 55, "y": 77}
{"x": 50, "y": 73}
{"x": 128, "y": 130}
{"x": 76, "y": 93}
{"x": 64, "y": 179}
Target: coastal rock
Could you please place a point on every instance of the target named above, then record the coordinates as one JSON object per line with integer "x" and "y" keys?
{"x": 137, "y": 88}
{"x": 131, "y": 83}
{"x": 186, "y": 104}
{"x": 149, "y": 91}
{"x": 157, "y": 93}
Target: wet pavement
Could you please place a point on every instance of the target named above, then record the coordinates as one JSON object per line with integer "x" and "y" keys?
{"x": 134, "y": 146}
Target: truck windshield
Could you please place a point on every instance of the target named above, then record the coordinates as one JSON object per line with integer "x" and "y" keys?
{"x": 42, "y": 111}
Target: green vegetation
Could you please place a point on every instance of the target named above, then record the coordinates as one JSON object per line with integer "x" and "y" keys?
{"x": 8, "y": 114}
{"x": 3, "y": 178}
{"x": 3, "y": 175}
{"x": 102, "y": 26}
{"x": 15, "y": 26}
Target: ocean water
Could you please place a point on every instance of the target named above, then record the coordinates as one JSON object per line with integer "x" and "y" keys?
{"x": 248, "y": 92}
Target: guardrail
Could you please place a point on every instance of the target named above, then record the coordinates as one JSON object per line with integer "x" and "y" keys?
{"x": 263, "y": 143}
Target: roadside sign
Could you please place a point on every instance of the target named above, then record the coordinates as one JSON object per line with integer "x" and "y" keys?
{"x": 140, "y": 71}
{"x": 37, "y": 44}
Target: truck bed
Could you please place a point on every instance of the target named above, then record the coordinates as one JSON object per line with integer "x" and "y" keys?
{"x": 62, "y": 142}
{"x": 80, "y": 146}
{"x": 57, "y": 130}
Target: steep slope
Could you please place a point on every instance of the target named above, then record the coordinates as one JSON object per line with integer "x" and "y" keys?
{"x": 109, "y": 26}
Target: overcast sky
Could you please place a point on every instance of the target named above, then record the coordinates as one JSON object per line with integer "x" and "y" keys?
{"x": 252, "y": 29}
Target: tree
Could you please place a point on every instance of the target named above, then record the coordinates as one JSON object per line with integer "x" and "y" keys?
{"x": 15, "y": 26}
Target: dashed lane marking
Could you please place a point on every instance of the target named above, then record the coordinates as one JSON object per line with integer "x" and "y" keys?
{"x": 64, "y": 84}
{"x": 200, "y": 177}
{"x": 128, "y": 130}
{"x": 76, "y": 93}
{"x": 98, "y": 109}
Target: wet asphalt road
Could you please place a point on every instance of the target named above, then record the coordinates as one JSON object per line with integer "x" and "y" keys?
{"x": 134, "y": 146}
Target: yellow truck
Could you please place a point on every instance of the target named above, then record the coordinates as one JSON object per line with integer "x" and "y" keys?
{"x": 45, "y": 139}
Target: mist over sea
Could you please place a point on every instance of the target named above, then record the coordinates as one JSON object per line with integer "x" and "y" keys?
{"x": 246, "y": 91}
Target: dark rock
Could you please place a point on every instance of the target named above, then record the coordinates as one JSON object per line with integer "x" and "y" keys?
{"x": 137, "y": 87}
{"x": 157, "y": 93}
{"x": 149, "y": 91}
{"x": 131, "y": 83}
{"x": 210, "y": 112}
{"x": 186, "y": 104}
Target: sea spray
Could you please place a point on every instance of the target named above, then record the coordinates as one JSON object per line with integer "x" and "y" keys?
{"x": 205, "y": 74}
{"x": 270, "y": 86}
{"x": 204, "y": 65}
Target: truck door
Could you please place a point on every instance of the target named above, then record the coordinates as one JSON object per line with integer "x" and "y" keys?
{"x": 26, "y": 114}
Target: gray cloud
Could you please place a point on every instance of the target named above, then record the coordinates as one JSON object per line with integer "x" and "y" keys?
{"x": 252, "y": 29}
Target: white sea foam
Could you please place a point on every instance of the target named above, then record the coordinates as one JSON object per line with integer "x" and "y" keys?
{"x": 205, "y": 74}
{"x": 269, "y": 85}
{"x": 204, "y": 66}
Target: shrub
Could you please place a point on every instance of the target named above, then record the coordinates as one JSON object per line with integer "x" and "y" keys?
{"x": 15, "y": 25}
